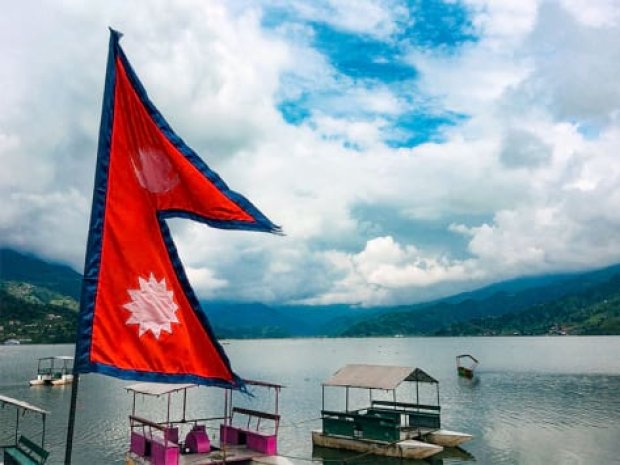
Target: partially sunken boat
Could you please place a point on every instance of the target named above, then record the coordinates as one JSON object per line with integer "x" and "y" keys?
{"x": 245, "y": 436}
{"x": 385, "y": 427}
{"x": 465, "y": 365}
{"x": 54, "y": 371}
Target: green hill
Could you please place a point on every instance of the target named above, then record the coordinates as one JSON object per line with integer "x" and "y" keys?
{"x": 595, "y": 311}
{"x": 18, "y": 267}
{"x": 494, "y": 313}
{"x": 33, "y": 314}
{"x": 38, "y": 300}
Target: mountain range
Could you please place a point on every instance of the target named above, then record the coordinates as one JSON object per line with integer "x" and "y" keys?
{"x": 39, "y": 300}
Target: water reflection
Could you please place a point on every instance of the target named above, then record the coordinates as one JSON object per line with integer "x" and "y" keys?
{"x": 533, "y": 400}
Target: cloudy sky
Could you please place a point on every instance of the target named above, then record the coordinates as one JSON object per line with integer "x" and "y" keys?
{"x": 409, "y": 149}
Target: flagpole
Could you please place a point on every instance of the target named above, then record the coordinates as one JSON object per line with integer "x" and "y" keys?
{"x": 72, "y": 409}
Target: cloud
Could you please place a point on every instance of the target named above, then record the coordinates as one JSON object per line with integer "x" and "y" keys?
{"x": 464, "y": 143}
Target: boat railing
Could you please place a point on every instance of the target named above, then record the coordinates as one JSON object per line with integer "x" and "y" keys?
{"x": 361, "y": 425}
{"x": 168, "y": 426}
{"x": 405, "y": 406}
{"x": 144, "y": 442}
{"x": 417, "y": 415}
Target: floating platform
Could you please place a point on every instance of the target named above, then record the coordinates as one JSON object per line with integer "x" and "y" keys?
{"x": 408, "y": 448}
{"x": 446, "y": 438}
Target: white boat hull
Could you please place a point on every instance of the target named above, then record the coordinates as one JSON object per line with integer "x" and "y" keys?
{"x": 447, "y": 438}
{"x": 408, "y": 448}
{"x": 67, "y": 379}
{"x": 48, "y": 380}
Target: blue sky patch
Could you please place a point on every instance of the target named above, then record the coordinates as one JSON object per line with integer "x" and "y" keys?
{"x": 411, "y": 129}
{"x": 375, "y": 66}
{"x": 437, "y": 24}
{"x": 361, "y": 57}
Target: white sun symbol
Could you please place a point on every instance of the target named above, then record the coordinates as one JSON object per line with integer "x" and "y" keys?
{"x": 152, "y": 307}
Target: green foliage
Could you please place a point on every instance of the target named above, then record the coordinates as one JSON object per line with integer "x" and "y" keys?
{"x": 18, "y": 267}
{"x": 592, "y": 312}
{"x": 592, "y": 309}
{"x": 26, "y": 318}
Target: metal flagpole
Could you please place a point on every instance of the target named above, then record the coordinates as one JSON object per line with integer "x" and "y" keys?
{"x": 72, "y": 408}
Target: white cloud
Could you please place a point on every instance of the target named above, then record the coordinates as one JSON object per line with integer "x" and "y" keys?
{"x": 204, "y": 281}
{"x": 535, "y": 157}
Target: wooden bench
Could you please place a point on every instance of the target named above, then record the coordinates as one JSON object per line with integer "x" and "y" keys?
{"x": 25, "y": 452}
{"x": 260, "y": 441}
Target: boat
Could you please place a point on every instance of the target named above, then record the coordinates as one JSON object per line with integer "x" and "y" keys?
{"x": 244, "y": 436}
{"x": 54, "y": 371}
{"x": 465, "y": 365}
{"x": 24, "y": 450}
{"x": 391, "y": 428}
{"x": 12, "y": 342}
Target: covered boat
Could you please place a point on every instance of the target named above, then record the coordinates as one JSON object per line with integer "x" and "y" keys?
{"x": 385, "y": 427}
{"x": 24, "y": 450}
{"x": 237, "y": 435}
{"x": 54, "y": 371}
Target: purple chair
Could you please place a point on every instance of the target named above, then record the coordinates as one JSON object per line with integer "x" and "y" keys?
{"x": 197, "y": 440}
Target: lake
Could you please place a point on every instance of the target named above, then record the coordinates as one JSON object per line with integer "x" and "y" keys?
{"x": 534, "y": 400}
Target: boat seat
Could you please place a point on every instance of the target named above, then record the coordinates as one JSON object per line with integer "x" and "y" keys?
{"x": 197, "y": 440}
{"x": 164, "y": 452}
{"x": 171, "y": 433}
{"x": 25, "y": 452}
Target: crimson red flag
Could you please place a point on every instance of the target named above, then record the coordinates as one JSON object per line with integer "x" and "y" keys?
{"x": 139, "y": 318}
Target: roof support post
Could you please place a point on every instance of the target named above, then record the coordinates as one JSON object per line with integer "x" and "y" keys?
{"x": 417, "y": 393}
{"x": 168, "y": 412}
{"x": 16, "y": 426}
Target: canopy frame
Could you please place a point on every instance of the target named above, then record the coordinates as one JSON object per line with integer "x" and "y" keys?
{"x": 22, "y": 408}
{"x": 377, "y": 378}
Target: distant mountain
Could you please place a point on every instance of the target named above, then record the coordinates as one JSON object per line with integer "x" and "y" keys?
{"x": 19, "y": 267}
{"x": 40, "y": 299}
{"x": 247, "y": 320}
{"x": 594, "y": 310}
{"x": 254, "y": 320}
{"x": 493, "y": 301}
{"x": 33, "y": 314}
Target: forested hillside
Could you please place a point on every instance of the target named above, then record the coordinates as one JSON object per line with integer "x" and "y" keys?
{"x": 580, "y": 304}
{"x": 592, "y": 312}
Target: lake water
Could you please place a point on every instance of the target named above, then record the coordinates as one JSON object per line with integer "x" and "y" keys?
{"x": 543, "y": 400}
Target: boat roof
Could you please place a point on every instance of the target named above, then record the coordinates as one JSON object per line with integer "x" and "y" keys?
{"x": 458, "y": 357}
{"x": 4, "y": 400}
{"x": 253, "y": 382}
{"x": 377, "y": 376}
{"x": 58, "y": 357}
{"x": 158, "y": 389}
